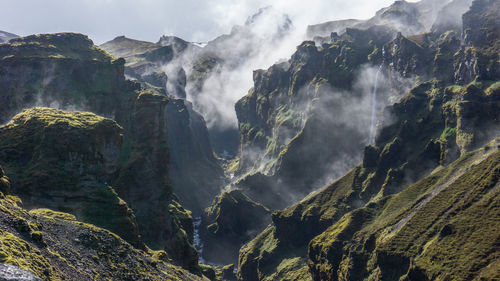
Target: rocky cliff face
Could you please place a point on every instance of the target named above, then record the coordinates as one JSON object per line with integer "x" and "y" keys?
{"x": 54, "y": 69}
{"x": 164, "y": 224}
{"x": 67, "y": 71}
{"x": 230, "y": 221}
{"x": 304, "y": 104}
{"x": 414, "y": 234}
{"x": 436, "y": 125}
{"x": 196, "y": 175}
{"x": 55, "y": 246}
{"x": 63, "y": 161}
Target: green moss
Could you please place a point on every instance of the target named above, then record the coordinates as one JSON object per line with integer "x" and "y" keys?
{"x": 56, "y": 46}
{"x": 291, "y": 270}
{"x": 16, "y": 251}
{"x": 448, "y": 133}
{"x": 53, "y": 214}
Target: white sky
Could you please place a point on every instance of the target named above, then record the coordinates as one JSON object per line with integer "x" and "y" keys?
{"x": 193, "y": 20}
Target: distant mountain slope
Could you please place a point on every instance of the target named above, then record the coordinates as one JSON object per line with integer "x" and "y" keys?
{"x": 6, "y": 36}
{"x": 408, "y": 17}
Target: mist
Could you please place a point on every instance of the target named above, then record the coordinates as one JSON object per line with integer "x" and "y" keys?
{"x": 149, "y": 19}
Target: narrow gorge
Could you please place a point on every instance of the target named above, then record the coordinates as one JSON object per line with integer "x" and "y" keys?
{"x": 349, "y": 149}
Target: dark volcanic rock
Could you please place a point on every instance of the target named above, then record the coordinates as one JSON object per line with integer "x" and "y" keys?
{"x": 232, "y": 220}
{"x": 67, "y": 71}
{"x": 382, "y": 219}
{"x": 196, "y": 175}
{"x": 63, "y": 161}
{"x": 55, "y": 246}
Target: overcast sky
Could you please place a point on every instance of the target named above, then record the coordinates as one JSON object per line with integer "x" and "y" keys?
{"x": 194, "y": 20}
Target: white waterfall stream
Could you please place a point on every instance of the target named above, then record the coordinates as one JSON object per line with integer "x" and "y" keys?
{"x": 198, "y": 244}
{"x": 374, "y": 107}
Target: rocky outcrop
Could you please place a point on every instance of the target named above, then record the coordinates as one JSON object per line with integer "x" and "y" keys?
{"x": 196, "y": 174}
{"x": 232, "y": 220}
{"x": 47, "y": 245}
{"x": 427, "y": 137}
{"x": 64, "y": 161}
{"x": 53, "y": 70}
{"x": 67, "y": 71}
{"x": 413, "y": 235}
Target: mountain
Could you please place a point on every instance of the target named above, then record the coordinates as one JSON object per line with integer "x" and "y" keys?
{"x": 6, "y": 36}
{"x": 215, "y": 72}
{"x": 66, "y": 71}
{"x": 147, "y": 61}
{"x": 55, "y": 246}
{"x": 371, "y": 153}
{"x": 195, "y": 173}
{"x": 409, "y": 18}
{"x": 426, "y": 176}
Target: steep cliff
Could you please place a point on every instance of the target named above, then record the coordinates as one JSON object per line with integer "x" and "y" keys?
{"x": 431, "y": 133}
{"x": 294, "y": 123}
{"x": 67, "y": 71}
{"x": 230, "y": 221}
{"x": 63, "y": 161}
{"x": 54, "y": 70}
{"x": 195, "y": 173}
{"x": 52, "y": 245}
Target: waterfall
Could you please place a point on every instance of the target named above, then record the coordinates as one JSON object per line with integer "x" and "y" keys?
{"x": 374, "y": 107}
{"x": 196, "y": 238}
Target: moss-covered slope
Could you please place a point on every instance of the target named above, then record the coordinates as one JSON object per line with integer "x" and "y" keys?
{"x": 434, "y": 128}
{"x": 63, "y": 161}
{"x": 443, "y": 227}
{"x": 433, "y": 125}
{"x": 55, "y": 246}
{"x": 67, "y": 71}
{"x": 63, "y": 70}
